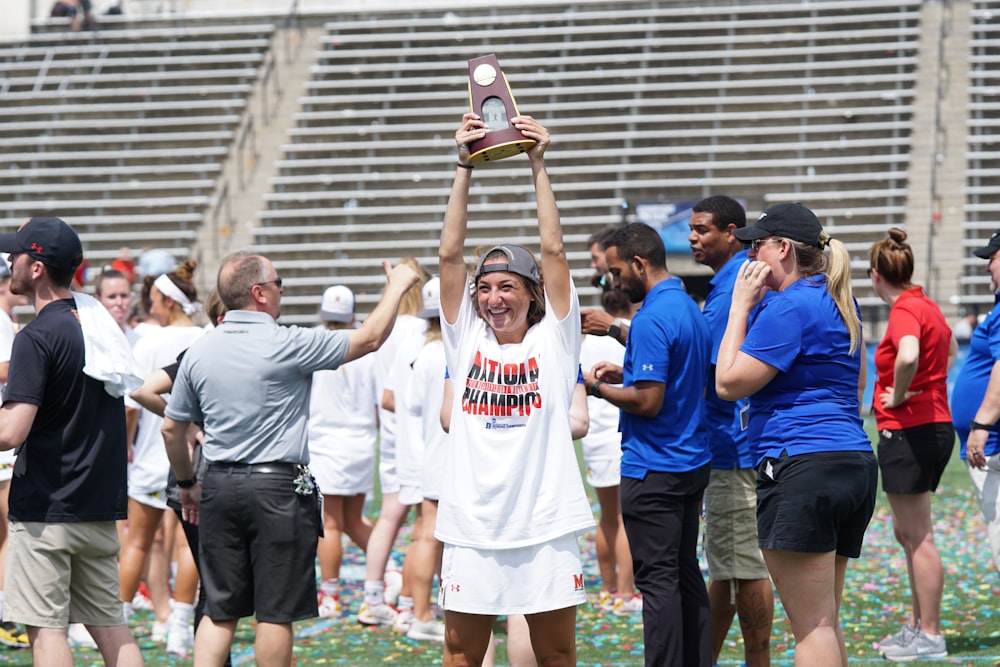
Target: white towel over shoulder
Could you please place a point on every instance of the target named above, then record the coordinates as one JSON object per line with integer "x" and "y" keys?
{"x": 108, "y": 356}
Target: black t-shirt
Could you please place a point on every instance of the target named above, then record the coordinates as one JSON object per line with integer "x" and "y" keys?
{"x": 72, "y": 467}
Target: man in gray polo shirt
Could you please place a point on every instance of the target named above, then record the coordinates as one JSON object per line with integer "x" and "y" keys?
{"x": 258, "y": 509}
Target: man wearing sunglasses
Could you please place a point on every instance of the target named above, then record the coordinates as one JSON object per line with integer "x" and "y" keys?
{"x": 258, "y": 507}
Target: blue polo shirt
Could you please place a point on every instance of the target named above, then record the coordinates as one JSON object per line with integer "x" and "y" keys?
{"x": 668, "y": 342}
{"x": 726, "y": 437}
{"x": 971, "y": 383}
{"x": 812, "y": 404}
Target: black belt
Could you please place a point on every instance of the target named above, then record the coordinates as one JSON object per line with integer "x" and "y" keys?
{"x": 277, "y": 467}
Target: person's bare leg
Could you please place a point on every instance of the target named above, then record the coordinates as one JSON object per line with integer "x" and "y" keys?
{"x": 723, "y": 611}
{"x": 755, "y": 607}
{"x": 49, "y": 647}
{"x": 117, "y": 645}
{"x": 356, "y": 524}
{"x": 606, "y": 537}
{"x": 273, "y": 646}
{"x": 422, "y": 559}
{"x": 213, "y": 641}
{"x": 808, "y": 586}
{"x": 466, "y": 638}
{"x": 158, "y": 571}
{"x": 519, "y": 650}
{"x": 553, "y": 637}
{"x": 142, "y": 524}
{"x": 329, "y": 549}
{"x": 911, "y": 517}
{"x": 383, "y": 535}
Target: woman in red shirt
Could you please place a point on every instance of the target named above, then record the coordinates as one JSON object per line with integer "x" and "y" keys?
{"x": 916, "y": 436}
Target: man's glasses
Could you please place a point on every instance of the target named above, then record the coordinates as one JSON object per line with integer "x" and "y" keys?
{"x": 276, "y": 281}
{"x": 757, "y": 243}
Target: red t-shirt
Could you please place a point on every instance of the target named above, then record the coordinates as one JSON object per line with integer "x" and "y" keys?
{"x": 914, "y": 314}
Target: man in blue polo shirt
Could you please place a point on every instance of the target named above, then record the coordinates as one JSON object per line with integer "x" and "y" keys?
{"x": 739, "y": 581}
{"x": 665, "y": 453}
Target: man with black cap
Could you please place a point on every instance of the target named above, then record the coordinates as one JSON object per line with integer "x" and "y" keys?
{"x": 69, "y": 484}
{"x": 975, "y": 405}
{"x": 666, "y": 460}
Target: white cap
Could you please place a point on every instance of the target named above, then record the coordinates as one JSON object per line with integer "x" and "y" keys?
{"x": 431, "y": 293}
{"x": 337, "y": 304}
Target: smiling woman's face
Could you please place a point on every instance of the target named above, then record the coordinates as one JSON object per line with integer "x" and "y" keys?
{"x": 503, "y": 301}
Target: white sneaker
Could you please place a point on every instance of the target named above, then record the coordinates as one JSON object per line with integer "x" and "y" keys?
{"x": 328, "y": 605}
{"x": 393, "y": 585}
{"x": 902, "y": 637}
{"x": 403, "y": 621}
{"x": 628, "y": 605}
{"x": 180, "y": 631}
{"x": 432, "y": 630}
{"x": 159, "y": 632}
{"x": 380, "y": 614}
{"x": 79, "y": 637}
{"x": 921, "y": 646}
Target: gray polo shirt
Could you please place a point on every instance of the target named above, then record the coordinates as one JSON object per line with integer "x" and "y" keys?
{"x": 248, "y": 381}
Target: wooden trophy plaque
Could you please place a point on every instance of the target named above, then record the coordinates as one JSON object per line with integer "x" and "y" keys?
{"x": 491, "y": 98}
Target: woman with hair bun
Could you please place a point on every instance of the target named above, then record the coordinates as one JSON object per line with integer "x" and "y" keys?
{"x": 916, "y": 435}
{"x": 798, "y": 356}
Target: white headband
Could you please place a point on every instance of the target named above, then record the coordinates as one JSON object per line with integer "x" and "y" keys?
{"x": 168, "y": 288}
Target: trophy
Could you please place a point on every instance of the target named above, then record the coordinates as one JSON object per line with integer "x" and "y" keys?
{"x": 491, "y": 98}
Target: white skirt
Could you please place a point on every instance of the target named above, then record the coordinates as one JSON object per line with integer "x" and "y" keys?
{"x": 527, "y": 580}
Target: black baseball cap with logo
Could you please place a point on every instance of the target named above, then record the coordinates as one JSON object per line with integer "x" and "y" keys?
{"x": 987, "y": 250}
{"x": 519, "y": 261}
{"x": 790, "y": 221}
{"x": 47, "y": 239}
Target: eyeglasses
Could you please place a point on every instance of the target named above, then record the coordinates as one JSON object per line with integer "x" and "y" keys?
{"x": 276, "y": 281}
{"x": 757, "y": 243}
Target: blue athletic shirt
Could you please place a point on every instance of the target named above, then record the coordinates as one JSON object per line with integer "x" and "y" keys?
{"x": 726, "y": 436}
{"x": 668, "y": 342}
{"x": 970, "y": 385}
{"x": 812, "y": 404}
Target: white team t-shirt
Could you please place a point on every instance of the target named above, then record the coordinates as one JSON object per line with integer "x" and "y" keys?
{"x": 154, "y": 350}
{"x": 423, "y": 402}
{"x": 6, "y": 343}
{"x": 511, "y": 474}
{"x": 409, "y": 438}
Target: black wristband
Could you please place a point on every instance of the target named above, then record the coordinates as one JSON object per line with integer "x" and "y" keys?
{"x": 465, "y": 166}
{"x": 976, "y": 426}
{"x": 594, "y": 389}
{"x": 187, "y": 483}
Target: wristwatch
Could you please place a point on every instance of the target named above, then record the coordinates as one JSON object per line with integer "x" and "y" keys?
{"x": 594, "y": 389}
{"x": 615, "y": 330}
{"x": 187, "y": 483}
{"x": 977, "y": 426}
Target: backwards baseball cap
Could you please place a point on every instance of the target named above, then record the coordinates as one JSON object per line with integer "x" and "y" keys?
{"x": 431, "y": 294}
{"x": 987, "y": 250}
{"x": 519, "y": 261}
{"x": 337, "y": 304}
{"x": 49, "y": 240}
{"x": 790, "y": 221}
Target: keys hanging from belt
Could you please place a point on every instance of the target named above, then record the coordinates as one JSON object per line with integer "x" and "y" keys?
{"x": 305, "y": 485}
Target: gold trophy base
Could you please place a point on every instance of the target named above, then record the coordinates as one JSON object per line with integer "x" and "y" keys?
{"x": 499, "y": 145}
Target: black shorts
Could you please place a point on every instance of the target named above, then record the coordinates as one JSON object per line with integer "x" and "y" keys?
{"x": 815, "y": 503}
{"x": 257, "y": 545}
{"x": 912, "y": 460}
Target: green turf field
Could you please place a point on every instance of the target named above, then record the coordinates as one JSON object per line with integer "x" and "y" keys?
{"x": 875, "y": 600}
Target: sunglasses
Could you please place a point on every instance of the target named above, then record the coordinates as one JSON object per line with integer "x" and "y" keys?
{"x": 757, "y": 243}
{"x": 276, "y": 281}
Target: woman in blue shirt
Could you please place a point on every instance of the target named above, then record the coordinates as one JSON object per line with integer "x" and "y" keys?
{"x": 798, "y": 356}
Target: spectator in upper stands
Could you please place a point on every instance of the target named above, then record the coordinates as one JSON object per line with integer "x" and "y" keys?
{"x": 798, "y": 355}
{"x": 739, "y": 583}
{"x": 78, "y": 11}
{"x": 916, "y": 436}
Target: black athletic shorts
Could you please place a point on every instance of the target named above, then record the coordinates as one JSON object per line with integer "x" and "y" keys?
{"x": 912, "y": 460}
